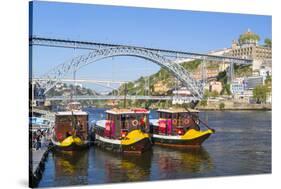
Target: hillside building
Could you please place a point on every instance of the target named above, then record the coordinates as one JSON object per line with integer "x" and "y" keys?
{"x": 181, "y": 95}
{"x": 160, "y": 87}
{"x": 215, "y": 86}
{"x": 247, "y": 47}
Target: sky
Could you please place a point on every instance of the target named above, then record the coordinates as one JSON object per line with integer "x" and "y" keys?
{"x": 190, "y": 31}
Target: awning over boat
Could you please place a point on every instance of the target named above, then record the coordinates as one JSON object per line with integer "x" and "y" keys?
{"x": 69, "y": 113}
{"x": 178, "y": 110}
{"x": 128, "y": 111}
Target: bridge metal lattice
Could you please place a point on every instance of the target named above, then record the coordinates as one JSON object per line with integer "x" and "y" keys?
{"x": 76, "y": 63}
{"x": 167, "y": 59}
{"x": 131, "y": 97}
{"x": 171, "y": 54}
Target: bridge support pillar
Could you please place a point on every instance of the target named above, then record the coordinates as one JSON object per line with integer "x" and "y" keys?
{"x": 230, "y": 72}
{"x": 203, "y": 72}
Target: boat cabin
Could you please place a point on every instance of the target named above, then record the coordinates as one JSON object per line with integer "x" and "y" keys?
{"x": 176, "y": 121}
{"x": 120, "y": 122}
{"x": 71, "y": 123}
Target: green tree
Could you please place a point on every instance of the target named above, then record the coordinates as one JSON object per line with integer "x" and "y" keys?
{"x": 206, "y": 94}
{"x": 191, "y": 65}
{"x": 260, "y": 93}
{"x": 241, "y": 71}
{"x": 268, "y": 80}
{"x": 203, "y": 103}
{"x": 248, "y": 37}
{"x": 268, "y": 42}
{"x": 227, "y": 89}
{"x": 214, "y": 94}
{"x": 221, "y": 106}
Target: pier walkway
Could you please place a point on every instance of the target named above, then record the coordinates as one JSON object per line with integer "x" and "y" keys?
{"x": 37, "y": 157}
{"x": 37, "y": 164}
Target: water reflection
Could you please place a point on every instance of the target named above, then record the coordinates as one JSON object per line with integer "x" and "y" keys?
{"x": 97, "y": 166}
{"x": 124, "y": 167}
{"x": 241, "y": 145}
{"x": 173, "y": 163}
{"x": 160, "y": 163}
{"x": 70, "y": 167}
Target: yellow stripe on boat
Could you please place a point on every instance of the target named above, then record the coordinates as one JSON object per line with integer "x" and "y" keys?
{"x": 70, "y": 140}
{"x": 192, "y": 134}
{"x": 133, "y": 137}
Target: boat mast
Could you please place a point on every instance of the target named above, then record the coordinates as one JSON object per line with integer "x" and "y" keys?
{"x": 74, "y": 78}
{"x": 74, "y": 73}
{"x": 125, "y": 94}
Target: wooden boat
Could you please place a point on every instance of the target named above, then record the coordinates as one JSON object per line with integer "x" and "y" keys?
{"x": 124, "y": 130}
{"x": 71, "y": 129}
{"x": 178, "y": 127}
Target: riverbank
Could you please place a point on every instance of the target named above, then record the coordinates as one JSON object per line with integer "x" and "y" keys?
{"x": 234, "y": 106}
{"x": 210, "y": 106}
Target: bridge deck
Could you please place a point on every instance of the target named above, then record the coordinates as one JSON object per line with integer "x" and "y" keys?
{"x": 89, "y": 45}
{"x": 121, "y": 98}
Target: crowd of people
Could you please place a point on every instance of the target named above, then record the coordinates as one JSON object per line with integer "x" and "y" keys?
{"x": 40, "y": 139}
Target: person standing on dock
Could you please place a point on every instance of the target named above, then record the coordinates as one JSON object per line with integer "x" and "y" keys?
{"x": 44, "y": 140}
{"x": 38, "y": 142}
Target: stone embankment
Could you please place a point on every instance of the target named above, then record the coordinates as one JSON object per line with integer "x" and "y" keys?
{"x": 232, "y": 105}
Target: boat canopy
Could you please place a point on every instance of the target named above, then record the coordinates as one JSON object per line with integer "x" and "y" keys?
{"x": 128, "y": 111}
{"x": 69, "y": 113}
{"x": 178, "y": 110}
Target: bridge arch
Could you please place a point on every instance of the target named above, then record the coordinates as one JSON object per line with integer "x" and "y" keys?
{"x": 76, "y": 63}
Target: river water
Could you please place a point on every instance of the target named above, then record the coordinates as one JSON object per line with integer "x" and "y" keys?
{"x": 240, "y": 146}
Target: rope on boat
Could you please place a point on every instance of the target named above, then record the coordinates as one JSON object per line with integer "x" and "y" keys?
{"x": 200, "y": 121}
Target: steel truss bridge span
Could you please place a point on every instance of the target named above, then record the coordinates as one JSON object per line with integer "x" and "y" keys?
{"x": 172, "y": 54}
{"x": 128, "y": 97}
{"x": 85, "y": 81}
{"x": 167, "y": 59}
{"x": 57, "y": 73}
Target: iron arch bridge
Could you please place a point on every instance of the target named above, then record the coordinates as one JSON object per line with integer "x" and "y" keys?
{"x": 56, "y": 74}
{"x": 167, "y": 59}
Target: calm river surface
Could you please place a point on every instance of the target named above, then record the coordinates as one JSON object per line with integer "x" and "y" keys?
{"x": 241, "y": 145}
